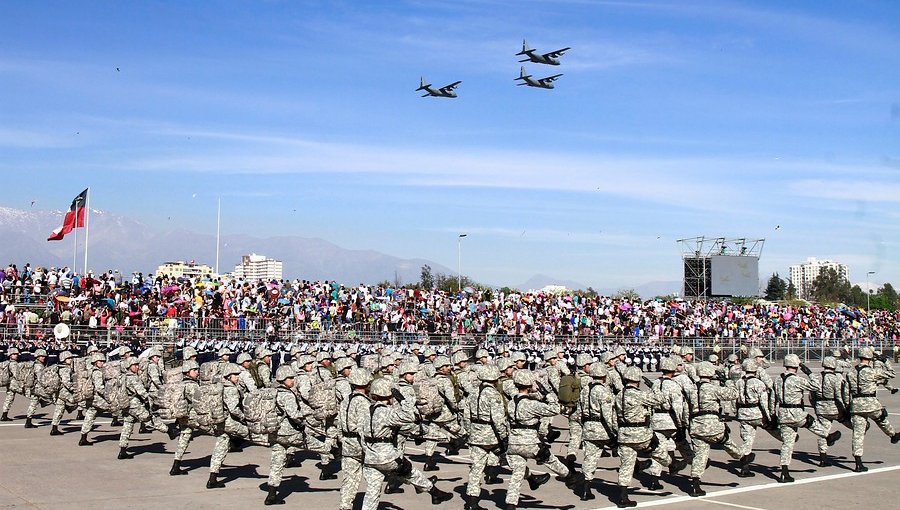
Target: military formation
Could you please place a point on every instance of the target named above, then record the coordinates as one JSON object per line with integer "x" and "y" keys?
{"x": 357, "y": 412}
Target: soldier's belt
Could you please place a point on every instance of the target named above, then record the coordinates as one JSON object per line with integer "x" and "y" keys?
{"x": 704, "y": 413}
{"x": 863, "y": 395}
{"x": 480, "y": 421}
{"x": 791, "y": 406}
{"x": 644, "y": 423}
{"x": 520, "y": 426}
{"x": 748, "y": 406}
{"x": 378, "y": 440}
{"x": 349, "y": 434}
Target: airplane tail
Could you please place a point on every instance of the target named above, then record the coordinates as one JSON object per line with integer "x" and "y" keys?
{"x": 525, "y": 48}
{"x": 522, "y": 74}
{"x": 422, "y": 84}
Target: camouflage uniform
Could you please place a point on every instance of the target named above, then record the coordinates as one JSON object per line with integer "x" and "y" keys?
{"x": 863, "y": 381}
{"x": 287, "y": 435}
{"x": 753, "y": 410}
{"x": 352, "y": 413}
{"x": 64, "y": 398}
{"x": 445, "y": 426}
{"x": 789, "y": 391}
{"x": 320, "y": 434}
{"x": 138, "y": 410}
{"x": 34, "y": 401}
{"x": 13, "y": 367}
{"x": 381, "y": 456}
{"x": 707, "y": 427}
{"x": 489, "y": 427}
{"x": 575, "y": 428}
{"x": 233, "y": 426}
{"x": 887, "y": 367}
{"x": 525, "y": 413}
{"x": 830, "y": 401}
{"x": 189, "y": 387}
{"x": 90, "y": 413}
{"x": 668, "y": 422}
{"x": 634, "y": 409}
{"x": 598, "y": 419}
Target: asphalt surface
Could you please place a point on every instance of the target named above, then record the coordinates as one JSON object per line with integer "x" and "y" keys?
{"x": 40, "y": 471}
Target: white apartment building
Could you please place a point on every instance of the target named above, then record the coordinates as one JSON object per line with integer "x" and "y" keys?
{"x": 258, "y": 267}
{"x": 180, "y": 268}
{"x": 803, "y": 275}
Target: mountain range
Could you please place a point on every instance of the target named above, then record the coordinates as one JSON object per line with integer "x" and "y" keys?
{"x": 121, "y": 243}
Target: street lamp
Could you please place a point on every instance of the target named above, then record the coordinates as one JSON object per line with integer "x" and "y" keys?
{"x": 868, "y": 293}
{"x": 459, "y": 262}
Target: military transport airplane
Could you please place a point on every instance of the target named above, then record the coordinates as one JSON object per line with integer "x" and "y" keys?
{"x": 445, "y": 91}
{"x": 543, "y": 83}
{"x": 551, "y": 58}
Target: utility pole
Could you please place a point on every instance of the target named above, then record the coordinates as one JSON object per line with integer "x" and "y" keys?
{"x": 459, "y": 262}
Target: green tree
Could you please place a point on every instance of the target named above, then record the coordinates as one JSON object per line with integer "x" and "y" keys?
{"x": 857, "y": 297}
{"x": 776, "y": 289}
{"x": 830, "y": 287}
{"x": 627, "y": 294}
{"x": 791, "y": 292}
{"x": 426, "y": 279}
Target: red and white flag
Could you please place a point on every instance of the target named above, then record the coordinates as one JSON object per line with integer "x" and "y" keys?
{"x": 74, "y": 217}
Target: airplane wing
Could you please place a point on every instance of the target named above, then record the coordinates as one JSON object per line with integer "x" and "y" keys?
{"x": 448, "y": 88}
{"x": 550, "y": 79}
{"x": 557, "y": 53}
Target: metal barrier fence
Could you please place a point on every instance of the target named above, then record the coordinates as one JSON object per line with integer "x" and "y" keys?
{"x": 809, "y": 349}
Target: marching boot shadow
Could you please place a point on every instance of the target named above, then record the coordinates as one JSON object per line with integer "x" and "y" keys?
{"x": 231, "y": 474}
{"x": 150, "y": 448}
{"x": 195, "y": 464}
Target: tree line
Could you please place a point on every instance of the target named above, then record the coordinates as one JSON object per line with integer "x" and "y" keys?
{"x": 830, "y": 287}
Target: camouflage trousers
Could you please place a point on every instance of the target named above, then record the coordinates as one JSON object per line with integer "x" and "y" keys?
{"x": 860, "y": 423}
{"x": 58, "y": 411}
{"x": 10, "y": 397}
{"x": 224, "y": 434}
{"x": 789, "y": 436}
{"x": 517, "y": 457}
{"x": 375, "y": 475}
{"x": 668, "y": 445}
{"x": 481, "y": 458}
{"x": 702, "y": 446}
{"x": 825, "y": 423}
{"x": 352, "y": 469}
{"x": 748, "y": 435}
{"x": 142, "y": 417}
{"x": 184, "y": 438}
{"x": 90, "y": 415}
{"x": 575, "y": 434}
{"x": 280, "y": 444}
{"x": 628, "y": 454}
{"x": 593, "y": 450}
{"x": 440, "y": 431}
{"x": 33, "y": 405}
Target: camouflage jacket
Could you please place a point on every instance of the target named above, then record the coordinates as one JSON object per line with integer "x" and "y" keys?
{"x": 753, "y": 400}
{"x": 448, "y": 394}
{"x": 633, "y": 410}
{"x": 598, "y": 414}
{"x": 342, "y": 387}
{"x": 231, "y": 395}
{"x": 66, "y": 383}
{"x": 789, "y": 390}
{"x": 862, "y": 381}
{"x": 139, "y": 395}
{"x": 831, "y": 395}
{"x": 379, "y": 432}
{"x": 705, "y": 405}
{"x": 245, "y": 379}
{"x": 289, "y": 410}
{"x": 672, "y": 415}
{"x": 352, "y": 413}
{"x": 553, "y": 376}
{"x": 488, "y": 416}
{"x": 155, "y": 374}
{"x": 525, "y": 413}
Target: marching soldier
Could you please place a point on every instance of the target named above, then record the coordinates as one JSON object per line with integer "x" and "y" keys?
{"x": 289, "y": 434}
{"x": 382, "y": 458}
{"x": 233, "y": 428}
{"x": 753, "y": 411}
{"x": 489, "y": 435}
{"x": 428, "y": 367}
{"x": 263, "y": 366}
{"x": 319, "y": 438}
{"x": 583, "y": 377}
{"x": 247, "y": 380}
{"x": 707, "y": 427}
{"x": 64, "y": 396}
{"x": 352, "y": 413}
{"x": 525, "y": 412}
{"x": 599, "y": 425}
{"x": 189, "y": 386}
{"x": 791, "y": 413}
{"x": 40, "y": 357}
{"x": 445, "y": 426}
{"x": 96, "y": 360}
{"x": 881, "y": 362}
{"x": 634, "y": 409}
{"x": 405, "y": 395}
{"x": 669, "y": 421}
{"x": 863, "y": 381}
{"x": 14, "y": 385}
{"x": 138, "y": 410}
{"x": 830, "y": 402}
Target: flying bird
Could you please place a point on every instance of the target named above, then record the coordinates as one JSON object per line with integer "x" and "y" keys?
{"x": 777, "y": 227}
{"x": 33, "y": 202}
{"x": 118, "y": 70}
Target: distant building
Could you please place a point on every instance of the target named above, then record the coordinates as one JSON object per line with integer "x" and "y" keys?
{"x": 258, "y": 267}
{"x": 180, "y": 269}
{"x": 803, "y": 275}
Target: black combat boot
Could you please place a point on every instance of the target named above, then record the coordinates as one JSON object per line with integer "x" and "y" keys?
{"x": 80, "y": 415}
{"x": 895, "y": 438}
{"x": 605, "y": 453}
{"x": 573, "y": 479}
{"x": 535, "y": 481}
{"x": 860, "y": 468}
{"x": 392, "y": 487}
{"x": 84, "y": 441}
{"x": 570, "y": 462}
{"x": 438, "y": 496}
{"x": 744, "y": 465}
{"x": 893, "y": 391}
{"x": 176, "y": 469}
{"x": 472, "y": 503}
{"x": 143, "y": 429}
{"x": 696, "y": 491}
{"x": 586, "y": 494}
{"x": 832, "y": 438}
{"x": 785, "y": 475}
{"x": 172, "y": 431}
{"x": 431, "y": 463}
{"x": 5, "y": 417}
{"x": 640, "y": 466}
{"x": 272, "y": 498}
{"x": 28, "y": 424}
{"x": 293, "y": 461}
{"x": 492, "y": 475}
{"x": 124, "y": 455}
{"x": 653, "y": 484}
{"x": 116, "y": 422}
{"x": 623, "y": 501}
{"x": 54, "y": 431}
{"x": 213, "y": 482}
{"x": 553, "y": 435}
{"x": 235, "y": 445}
{"x": 325, "y": 473}
{"x": 823, "y": 460}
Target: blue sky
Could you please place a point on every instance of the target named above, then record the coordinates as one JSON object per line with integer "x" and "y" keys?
{"x": 673, "y": 119}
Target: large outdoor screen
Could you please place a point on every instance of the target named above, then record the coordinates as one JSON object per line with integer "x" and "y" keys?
{"x": 735, "y": 276}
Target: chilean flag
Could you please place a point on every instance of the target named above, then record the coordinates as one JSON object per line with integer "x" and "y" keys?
{"x": 74, "y": 218}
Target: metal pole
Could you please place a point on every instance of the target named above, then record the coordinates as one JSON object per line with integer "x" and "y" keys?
{"x": 87, "y": 228}
{"x": 868, "y": 293}
{"x": 218, "y": 230}
{"x": 459, "y": 262}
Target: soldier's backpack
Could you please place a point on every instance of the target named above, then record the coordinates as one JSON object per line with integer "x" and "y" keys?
{"x": 209, "y": 406}
{"x": 48, "y": 383}
{"x": 144, "y": 372}
{"x": 83, "y": 386}
{"x": 115, "y": 390}
{"x": 4, "y": 374}
{"x": 170, "y": 401}
{"x": 428, "y": 398}
{"x": 323, "y": 397}
{"x": 24, "y": 378}
{"x": 261, "y": 411}
{"x": 254, "y": 373}
{"x": 569, "y": 390}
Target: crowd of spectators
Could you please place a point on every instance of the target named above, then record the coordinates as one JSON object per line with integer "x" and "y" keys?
{"x": 31, "y": 297}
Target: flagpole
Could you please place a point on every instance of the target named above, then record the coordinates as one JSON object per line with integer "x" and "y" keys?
{"x": 75, "y": 248}
{"x": 218, "y": 231}
{"x": 87, "y": 231}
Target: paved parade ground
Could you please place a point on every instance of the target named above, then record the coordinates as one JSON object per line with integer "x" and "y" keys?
{"x": 39, "y": 471}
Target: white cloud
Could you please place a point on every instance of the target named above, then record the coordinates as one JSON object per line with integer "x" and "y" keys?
{"x": 866, "y": 190}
